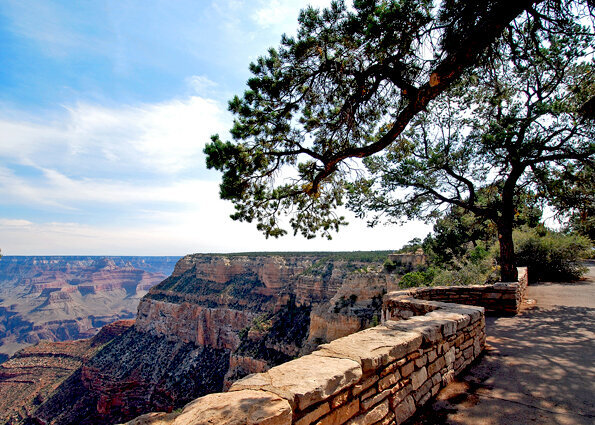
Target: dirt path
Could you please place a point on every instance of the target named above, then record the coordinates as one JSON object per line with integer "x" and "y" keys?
{"x": 538, "y": 367}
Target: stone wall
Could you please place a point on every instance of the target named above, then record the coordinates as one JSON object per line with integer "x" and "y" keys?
{"x": 377, "y": 376}
{"x": 500, "y": 298}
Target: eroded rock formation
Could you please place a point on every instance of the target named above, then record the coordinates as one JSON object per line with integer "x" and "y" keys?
{"x": 66, "y": 298}
{"x": 28, "y": 379}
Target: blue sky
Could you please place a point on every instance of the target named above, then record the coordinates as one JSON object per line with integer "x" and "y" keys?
{"x": 105, "y": 107}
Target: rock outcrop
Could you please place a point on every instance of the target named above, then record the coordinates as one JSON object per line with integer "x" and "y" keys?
{"x": 32, "y": 374}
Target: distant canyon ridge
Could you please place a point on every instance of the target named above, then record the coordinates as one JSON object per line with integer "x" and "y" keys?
{"x": 58, "y": 298}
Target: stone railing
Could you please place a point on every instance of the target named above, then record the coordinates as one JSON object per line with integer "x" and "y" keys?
{"x": 500, "y": 298}
{"x": 379, "y": 375}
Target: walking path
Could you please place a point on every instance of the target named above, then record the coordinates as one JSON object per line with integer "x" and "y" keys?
{"x": 538, "y": 367}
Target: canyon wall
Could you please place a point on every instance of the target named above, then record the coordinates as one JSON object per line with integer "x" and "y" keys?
{"x": 29, "y": 378}
{"x": 66, "y": 298}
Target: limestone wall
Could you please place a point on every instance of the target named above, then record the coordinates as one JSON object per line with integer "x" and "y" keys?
{"x": 377, "y": 376}
{"x": 500, "y": 298}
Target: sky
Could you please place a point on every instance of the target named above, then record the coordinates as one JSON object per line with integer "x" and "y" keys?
{"x": 105, "y": 108}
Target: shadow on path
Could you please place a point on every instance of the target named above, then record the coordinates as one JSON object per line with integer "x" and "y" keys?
{"x": 538, "y": 368}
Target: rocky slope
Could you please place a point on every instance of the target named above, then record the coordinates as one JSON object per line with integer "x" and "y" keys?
{"x": 65, "y": 298}
{"x": 214, "y": 320}
{"x": 32, "y": 374}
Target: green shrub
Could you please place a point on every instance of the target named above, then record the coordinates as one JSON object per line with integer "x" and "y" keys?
{"x": 551, "y": 256}
{"x": 412, "y": 279}
{"x": 418, "y": 278}
{"x": 478, "y": 273}
{"x": 389, "y": 265}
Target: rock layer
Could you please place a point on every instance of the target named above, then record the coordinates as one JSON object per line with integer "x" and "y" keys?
{"x": 32, "y": 374}
{"x": 65, "y": 298}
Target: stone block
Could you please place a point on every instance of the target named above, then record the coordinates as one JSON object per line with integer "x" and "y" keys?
{"x": 422, "y": 391}
{"x": 388, "y": 381}
{"x": 460, "y": 339}
{"x": 449, "y": 356}
{"x": 407, "y": 369}
{"x": 367, "y": 404}
{"x": 448, "y": 377}
{"x": 421, "y": 361}
{"x": 432, "y": 355}
{"x": 400, "y": 395}
{"x": 443, "y": 348}
{"x": 389, "y": 369}
{"x": 311, "y": 416}
{"x": 477, "y": 347}
{"x": 457, "y": 316}
{"x": 372, "y": 416}
{"x": 340, "y": 399}
{"x": 416, "y": 354}
{"x": 388, "y": 420}
{"x": 466, "y": 344}
{"x": 247, "y": 406}
{"x": 305, "y": 381}
{"x": 365, "y": 384}
{"x": 429, "y": 328}
{"x": 372, "y": 348}
{"x": 459, "y": 363}
{"x": 437, "y": 377}
{"x": 404, "y": 410}
{"x": 424, "y": 399}
{"x": 436, "y": 366}
{"x": 341, "y": 415}
{"x": 369, "y": 393}
{"x": 419, "y": 377}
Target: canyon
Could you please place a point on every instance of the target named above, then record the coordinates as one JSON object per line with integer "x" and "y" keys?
{"x": 214, "y": 320}
{"x": 34, "y": 373}
{"x": 65, "y": 298}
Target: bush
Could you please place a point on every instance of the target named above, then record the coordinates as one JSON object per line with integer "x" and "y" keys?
{"x": 389, "y": 266}
{"x": 551, "y": 256}
{"x": 471, "y": 273}
{"x": 417, "y": 278}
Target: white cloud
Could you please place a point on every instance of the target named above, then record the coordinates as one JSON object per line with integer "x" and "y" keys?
{"x": 162, "y": 138}
{"x": 4, "y": 222}
{"x": 279, "y": 14}
{"x": 133, "y": 176}
{"x": 165, "y": 138}
{"x": 201, "y": 84}
{"x": 207, "y": 230}
{"x": 58, "y": 190}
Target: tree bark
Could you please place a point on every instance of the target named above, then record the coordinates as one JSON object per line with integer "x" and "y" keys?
{"x": 508, "y": 270}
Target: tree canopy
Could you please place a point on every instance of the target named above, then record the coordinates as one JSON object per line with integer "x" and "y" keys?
{"x": 423, "y": 93}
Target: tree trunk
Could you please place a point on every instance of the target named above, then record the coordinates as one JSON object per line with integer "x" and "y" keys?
{"x": 508, "y": 271}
